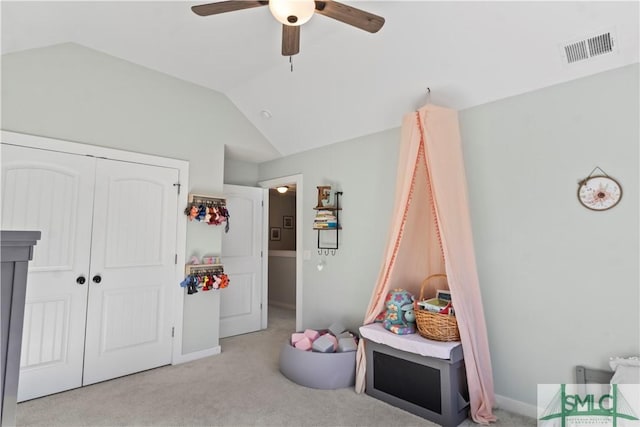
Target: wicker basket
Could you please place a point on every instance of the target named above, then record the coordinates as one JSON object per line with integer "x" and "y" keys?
{"x": 435, "y": 326}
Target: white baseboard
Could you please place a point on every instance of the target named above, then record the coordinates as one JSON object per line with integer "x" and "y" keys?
{"x": 516, "y": 406}
{"x": 189, "y": 357}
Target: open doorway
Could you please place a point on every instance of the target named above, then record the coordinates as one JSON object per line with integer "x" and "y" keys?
{"x": 283, "y": 225}
{"x": 282, "y": 247}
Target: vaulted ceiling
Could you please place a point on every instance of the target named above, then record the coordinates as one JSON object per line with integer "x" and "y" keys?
{"x": 345, "y": 82}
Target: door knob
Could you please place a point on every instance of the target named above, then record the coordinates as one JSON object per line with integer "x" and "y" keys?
{"x": 97, "y": 278}
{"x": 80, "y": 280}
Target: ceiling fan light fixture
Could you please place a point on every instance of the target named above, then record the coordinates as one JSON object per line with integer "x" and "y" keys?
{"x": 282, "y": 189}
{"x": 292, "y": 12}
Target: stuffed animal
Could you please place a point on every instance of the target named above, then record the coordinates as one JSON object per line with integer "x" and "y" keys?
{"x": 409, "y": 314}
{"x": 399, "y": 316}
{"x": 224, "y": 281}
{"x": 192, "y": 212}
{"x": 206, "y": 283}
{"x": 191, "y": 283}
{"x": 202, "y": 212}
{"x": 216, "y": 281}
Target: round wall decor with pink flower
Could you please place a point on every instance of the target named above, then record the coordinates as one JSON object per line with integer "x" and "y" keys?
{"x": 599, "y": 192}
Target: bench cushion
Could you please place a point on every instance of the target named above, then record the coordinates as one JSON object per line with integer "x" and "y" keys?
{"x": 412, "y": 343}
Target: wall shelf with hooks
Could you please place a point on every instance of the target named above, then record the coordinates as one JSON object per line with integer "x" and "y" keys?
{"x": 203, "y": 268}
{"x": 210, "y": 210}
{"x": 327, "y": 219}
{"x": 202, "y": 199}
{"x": 204, "y": 277}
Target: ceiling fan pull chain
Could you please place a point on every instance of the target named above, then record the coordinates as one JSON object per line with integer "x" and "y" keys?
{"x": 291, "y": 62}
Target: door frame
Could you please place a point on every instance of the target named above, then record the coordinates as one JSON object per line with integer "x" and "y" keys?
{"x": 52, "y": 144}
{"x": 271, "y": 183}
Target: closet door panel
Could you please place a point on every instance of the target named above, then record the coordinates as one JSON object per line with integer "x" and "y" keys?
{"x": 51, "y": 192}
{"x": 134, "y": 234}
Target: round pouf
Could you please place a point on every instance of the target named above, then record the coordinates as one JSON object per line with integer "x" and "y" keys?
{"x": 318, "y": 370}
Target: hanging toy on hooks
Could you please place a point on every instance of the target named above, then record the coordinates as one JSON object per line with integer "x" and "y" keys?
{"x": 202, "y": 213}
{"x": 206, "y": 283}
{"x": 191, "y": 283}
{"x": 224, "y": 281}
{"x": 214, "y": 216}
{"x": 191, "y": 211}
{"x": 216, "y": 282}
{"x": 208, "y": 209}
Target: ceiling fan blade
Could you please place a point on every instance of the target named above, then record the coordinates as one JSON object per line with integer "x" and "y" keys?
{"x": 290, "y": 40}
{"x": 226, "y": 6}
{"x": 350, "y": 15}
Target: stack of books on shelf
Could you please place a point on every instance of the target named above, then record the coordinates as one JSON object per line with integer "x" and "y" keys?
{"x": 325, "y": 220}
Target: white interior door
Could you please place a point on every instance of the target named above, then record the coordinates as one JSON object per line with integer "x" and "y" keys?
{"x": 51, "y": 192}
{"x": 241, "y": 302}
{"x": 132, "y": 270}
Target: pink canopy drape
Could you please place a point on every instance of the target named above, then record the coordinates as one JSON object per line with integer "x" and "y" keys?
{"x": 433, "y": 235}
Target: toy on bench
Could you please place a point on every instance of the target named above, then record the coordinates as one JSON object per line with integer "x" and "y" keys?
{"x": 398, "y": 316}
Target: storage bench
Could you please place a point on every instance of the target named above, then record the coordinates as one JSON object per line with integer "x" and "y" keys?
{"x": 421, "y": 376}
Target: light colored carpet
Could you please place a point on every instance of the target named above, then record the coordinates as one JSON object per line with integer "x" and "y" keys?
{"x": 242, "y": 386}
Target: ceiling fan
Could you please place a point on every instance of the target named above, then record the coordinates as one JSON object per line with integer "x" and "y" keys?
{"x": 293, "y": 13}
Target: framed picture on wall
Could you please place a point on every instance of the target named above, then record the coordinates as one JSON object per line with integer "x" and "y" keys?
{"x": 275, "y": 233}
{"x": 287, "y": 222}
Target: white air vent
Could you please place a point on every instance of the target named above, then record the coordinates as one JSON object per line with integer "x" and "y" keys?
{"x": 576, "y": 51}
{"x": 600, "y": 44}
{"x": 589, "y": 47}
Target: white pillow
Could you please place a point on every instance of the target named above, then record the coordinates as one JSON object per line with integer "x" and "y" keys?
{"x": 626, "y": 370}
{"x": 626, "y": 375}
{"x": 614, "y": 362}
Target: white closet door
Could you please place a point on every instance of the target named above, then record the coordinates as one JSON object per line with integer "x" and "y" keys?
{"x": 241, "y": 302}
{"x": 51, "y": 192}
{"x": 133, "y": 254}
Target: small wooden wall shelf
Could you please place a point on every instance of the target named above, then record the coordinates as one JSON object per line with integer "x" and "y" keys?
{"x": 210, "y": 210}
{"x": 335, "y": 209}
{"x": 203, "y": 268}
{"x": 211, "y": 201}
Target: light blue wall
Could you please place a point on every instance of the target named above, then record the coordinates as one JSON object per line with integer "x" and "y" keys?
{"x": 239, "y": 172}
{"x": 559, "y": 282}
{"x": 282, "y": 279}
{"x": 77, "y": 94}
{"x": 364, "y": 169}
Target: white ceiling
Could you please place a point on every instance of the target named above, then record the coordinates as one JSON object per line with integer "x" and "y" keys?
{"x": 345, "y": 82}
